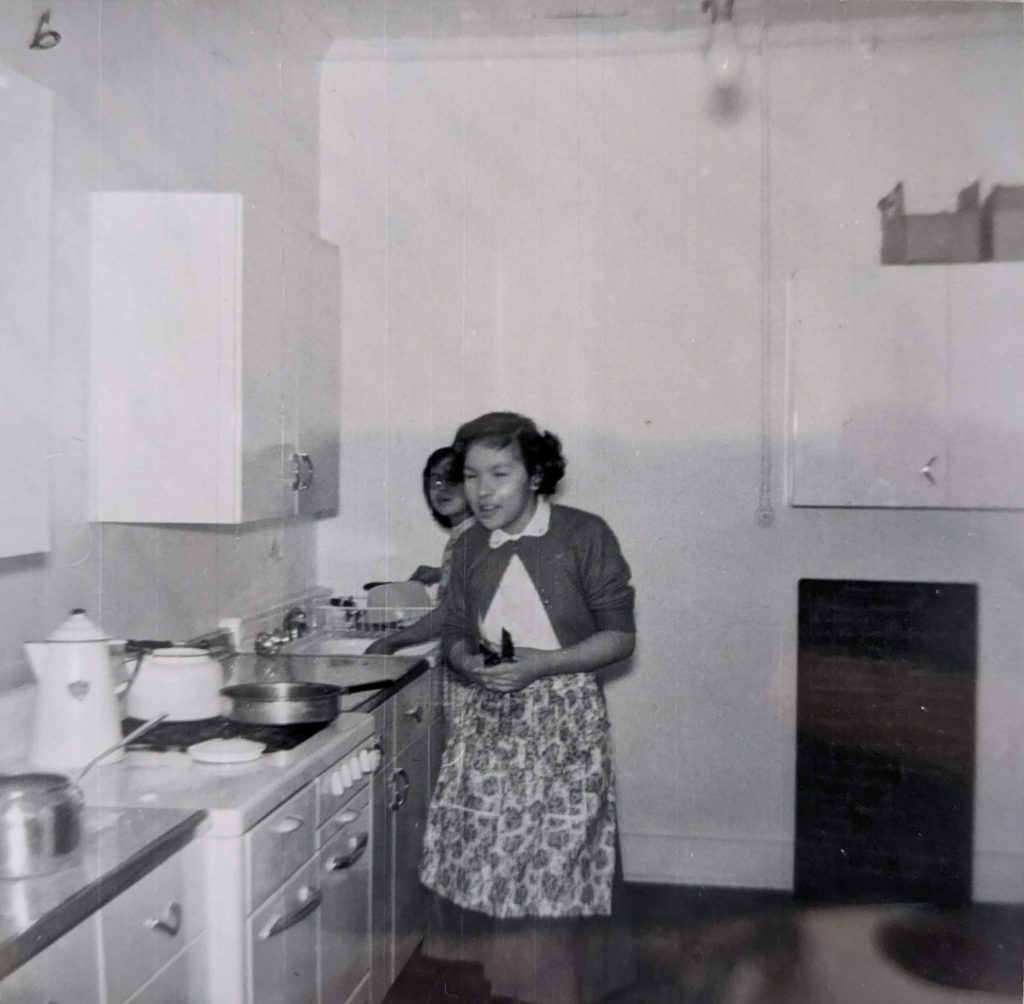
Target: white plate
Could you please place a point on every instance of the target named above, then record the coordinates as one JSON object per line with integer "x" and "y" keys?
{"x": 236, "y": 750}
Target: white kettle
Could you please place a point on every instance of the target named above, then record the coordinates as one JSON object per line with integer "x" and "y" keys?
{"x": 76, "y": 711}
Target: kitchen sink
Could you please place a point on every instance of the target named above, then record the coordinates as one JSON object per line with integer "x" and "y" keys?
{"x": 332, "y": 644}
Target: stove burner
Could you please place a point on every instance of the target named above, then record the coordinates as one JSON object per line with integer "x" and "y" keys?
{"x": 176, "y": 737}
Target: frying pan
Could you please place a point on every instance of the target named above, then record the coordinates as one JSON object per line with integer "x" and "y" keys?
{"x": 282, "y": 703}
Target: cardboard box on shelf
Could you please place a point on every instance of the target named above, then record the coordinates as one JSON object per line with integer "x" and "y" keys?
{"x": 1003, "y": 224}
{"x": 919, "y": 238}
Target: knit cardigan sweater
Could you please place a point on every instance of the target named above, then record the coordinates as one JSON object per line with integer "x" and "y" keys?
{"x": 576, "y": 567}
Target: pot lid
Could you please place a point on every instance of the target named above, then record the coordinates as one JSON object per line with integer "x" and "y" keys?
{"x": 179, "y": 653}
{"x": 78, "y": 627}
{"x": 26, "y": 785}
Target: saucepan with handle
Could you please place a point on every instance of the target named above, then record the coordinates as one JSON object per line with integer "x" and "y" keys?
{"x": 41, "y": 816}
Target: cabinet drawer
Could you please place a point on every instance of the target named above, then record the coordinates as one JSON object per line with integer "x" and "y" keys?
{"x": 355, "y": 815}
{"x": 279, "y": 844}
{"x": 344, "y": 877}
{"x": 67, "y": 972}
{"x": 412, "y": 711}
{"x": 283, "y": 942}
{"x": 181, "y": 981}
{"x": 148, "y": 924}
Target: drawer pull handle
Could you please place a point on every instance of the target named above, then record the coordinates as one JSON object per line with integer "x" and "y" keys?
{"x": 169, "y": 923}
{"x": 416, "y": 713}
{"x": 341, "y": 862}
{"x": 288, "y": 825}
{"x": 309, "y": 900}
{"x": 400, "y": 780}
{"x": 348, "y": 816}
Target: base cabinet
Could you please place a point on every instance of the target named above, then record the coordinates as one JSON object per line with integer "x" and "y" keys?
{"x": 410, "y": 799}
{"x": 143, "y": 947}
{"x": 151, "y": 923}
{"x": 407, "y": 722}
{"x": 179, "y": 982}
{"x": 283, "y": 942}
{"x": 67, "y": 972}
{"x": 288, "y": 903}
{"x": 344, "y": 877}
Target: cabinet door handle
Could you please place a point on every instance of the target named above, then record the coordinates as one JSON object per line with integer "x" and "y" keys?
{"x": 309, "y": 901}
{"x": 303, "y": 471}
{"x": 341, "y": 862}
{"x": 927, "y": 470}
{"x": 400, "y": 779}
{"x": 168, "y": 923}
{"x": 288, "y": 825}
{"x": 415, "y": 713}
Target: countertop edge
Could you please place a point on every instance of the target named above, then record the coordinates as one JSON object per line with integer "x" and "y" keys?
{"x": 375, "y": 698}
{"x": 86, "y": 901}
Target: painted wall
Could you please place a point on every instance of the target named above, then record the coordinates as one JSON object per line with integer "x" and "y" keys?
{"x": 554, "y": 217}
{"x": 149, "y": 94}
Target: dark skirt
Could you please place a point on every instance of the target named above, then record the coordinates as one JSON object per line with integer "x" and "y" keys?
{"x": 572, "y": 960}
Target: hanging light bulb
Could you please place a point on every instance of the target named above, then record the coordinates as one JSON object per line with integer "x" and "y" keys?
{"x": 724, "y": 59}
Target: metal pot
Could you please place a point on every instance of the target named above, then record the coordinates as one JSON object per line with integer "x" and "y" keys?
{"x": 41, "y": 816}
{"x": 182, "y": 682}
{"x": 40, "y": 824}
{"x": 282, "y": 703}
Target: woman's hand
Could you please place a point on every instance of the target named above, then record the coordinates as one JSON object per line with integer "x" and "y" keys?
{"x": 382, "y": 646}
{"x": 507, "y": 677}
{"x": 427, "y": 574}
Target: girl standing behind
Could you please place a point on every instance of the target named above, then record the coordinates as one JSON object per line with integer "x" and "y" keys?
{"x": 448, "y": 506}
{"x": 521, "y": 845}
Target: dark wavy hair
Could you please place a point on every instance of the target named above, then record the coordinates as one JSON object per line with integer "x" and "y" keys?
{"x": 436, "y": 458}
{"x": 541, "y": 451}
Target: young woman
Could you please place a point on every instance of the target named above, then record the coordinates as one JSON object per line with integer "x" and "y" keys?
{"x": 521, "y": 846}
{"x": 448, "y": 506}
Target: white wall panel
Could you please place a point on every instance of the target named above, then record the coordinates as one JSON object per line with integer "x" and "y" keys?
{"x": 552, "y": 220}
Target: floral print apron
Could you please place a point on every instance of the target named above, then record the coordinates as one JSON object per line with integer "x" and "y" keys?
{"x": 522, "y": 822}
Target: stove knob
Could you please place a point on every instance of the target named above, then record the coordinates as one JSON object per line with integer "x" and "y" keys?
{"x": 364, "y": 761}
{"x": 375, "y": 759}
{"x": 337, "y": 784}
{"x": 346, "y": 776}
{"x": 357, "y": 770}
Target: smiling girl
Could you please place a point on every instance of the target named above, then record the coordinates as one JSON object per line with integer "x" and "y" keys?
{"x": 521, "y": 845}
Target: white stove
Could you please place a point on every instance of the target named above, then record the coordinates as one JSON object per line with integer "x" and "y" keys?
{"x": 286, "y": 851}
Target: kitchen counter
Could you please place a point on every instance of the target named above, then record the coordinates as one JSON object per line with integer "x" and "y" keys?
{"x": 388, "y": 672}
{"x": 118, "y": 847}
{"x": 235, "y": 796}
{"x": 146, "y": 807}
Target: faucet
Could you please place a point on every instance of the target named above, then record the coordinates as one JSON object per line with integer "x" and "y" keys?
{"x": 294, "y": 625}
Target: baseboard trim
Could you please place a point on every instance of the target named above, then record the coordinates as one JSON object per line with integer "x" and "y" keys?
{"x": 998, "y": 877}
{"x": 715, "y": 861}
{"x": 734, "y": 863}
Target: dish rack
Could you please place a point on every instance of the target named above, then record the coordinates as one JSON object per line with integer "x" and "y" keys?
{"x": 359, "y": 620}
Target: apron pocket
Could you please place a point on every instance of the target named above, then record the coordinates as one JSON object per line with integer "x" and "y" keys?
{"x": 462, "y": 835}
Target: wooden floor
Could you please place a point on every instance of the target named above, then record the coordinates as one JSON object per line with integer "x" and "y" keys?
{"x": 721, "y": 946}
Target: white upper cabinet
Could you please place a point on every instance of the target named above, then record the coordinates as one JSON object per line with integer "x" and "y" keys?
{"x": 26, "y": 112}
{"x": 986, "y": 386}
{"x": 903, "y": 387}
{"x": 312, "y": 312}
{"x": 193, "y": 399}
